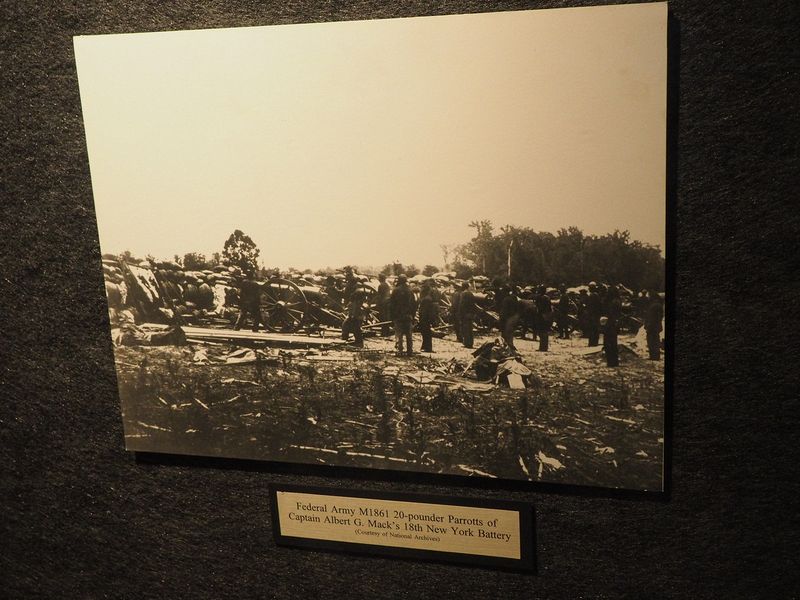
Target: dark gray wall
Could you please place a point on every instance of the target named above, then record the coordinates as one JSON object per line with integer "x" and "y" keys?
{"x": 81, "y": 518}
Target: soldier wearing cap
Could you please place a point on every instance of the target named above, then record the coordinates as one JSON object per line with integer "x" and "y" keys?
{"x": 402, "y": 306}
{"x": 351, "y": 283}
{"x": 428, "y": 315}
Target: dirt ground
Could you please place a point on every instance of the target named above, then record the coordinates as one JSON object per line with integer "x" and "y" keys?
{"x": 579, "y": 422}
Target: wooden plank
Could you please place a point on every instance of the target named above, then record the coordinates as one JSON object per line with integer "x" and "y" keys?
{"x": 267, "y": 338}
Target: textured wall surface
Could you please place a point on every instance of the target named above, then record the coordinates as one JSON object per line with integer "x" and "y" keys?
{"x": 82, "y": 518}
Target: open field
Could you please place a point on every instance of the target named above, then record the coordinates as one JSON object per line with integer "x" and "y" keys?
{"x": 579, "y": 422}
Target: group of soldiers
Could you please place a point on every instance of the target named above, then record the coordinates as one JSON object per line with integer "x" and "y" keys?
{"x": 598, "y": 309}
{"x": 397, "y": 307}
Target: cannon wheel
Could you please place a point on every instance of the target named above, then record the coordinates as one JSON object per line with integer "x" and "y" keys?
{"x": 283, "y": 306}
{"x": 371, "y": 301}
{"x": 445, "y": 308}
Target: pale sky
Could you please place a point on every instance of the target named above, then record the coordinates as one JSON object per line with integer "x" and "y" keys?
{"x": 371, "y": 141}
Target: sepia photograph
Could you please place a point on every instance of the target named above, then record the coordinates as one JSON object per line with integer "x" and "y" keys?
{"x": 429, "y": 244}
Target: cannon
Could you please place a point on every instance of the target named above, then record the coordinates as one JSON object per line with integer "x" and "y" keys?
{"x": 289, "y": 306}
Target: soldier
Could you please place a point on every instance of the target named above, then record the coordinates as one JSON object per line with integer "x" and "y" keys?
{"x": 640, "y": 305}
{"x": 355, "y": 319}
{"x": 350, "y": 283}
{"x": 510, "y": 311}
{"x": 583, "y": 321}
{"x": 384, "y": 292}
{"x": 249, "y": 302}
{"x": 544, "y": 309}
{"x": 501, "y": 291}
{"x": 562, "y": 313}
{"x": 652, "y": 325}
{"x": 428, "y": 316}
{"x": 594, "y": 310}
{"x": 527, "y": 312}
{"x": 611, "y": 329}
{"x": 468, "y": 310}
{"x": 455, "y": 312}
{"x": 402, "y": 306}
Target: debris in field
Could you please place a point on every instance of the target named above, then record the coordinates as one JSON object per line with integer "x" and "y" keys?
{"x": 626, "y": 421}
{"x": 588, "y": 352}
{"x": 156, "y": 427}
{"x": 349, "y": 453}
{"x": 524, "y": 468}
{"x": 241, "y": 355}
{"x": 515, "y": 382}
{"x": 406, "y": 412}
{"x": 488, "y": 357}
{"x": 342, "y": 357}
{"x": 421, "y": 377}
{"x": 201, "y": 356}
{"x": 552, "y": 464}
{"x": 512, "y": 372}
{"x": 244, "y": 381}
{"x": 472, "y": 471}
{"x": 311, "y": 448}
{"x": 474, "y": 386}
{"x": 351, "y": 422}
{"x": 278, "y": 340}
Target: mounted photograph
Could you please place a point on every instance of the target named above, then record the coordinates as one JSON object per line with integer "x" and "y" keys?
{"x": 428, "y": 244}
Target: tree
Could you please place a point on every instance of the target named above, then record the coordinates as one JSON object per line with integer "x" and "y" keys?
{"x": 569, "y": 257}
{"x": 463, "y": 270}
{"x": 429, "y": 270}
{"x": 240, "y": 251}
{"x": 395, "y": 268}
{"x": 411, "y": 270}
{"x": 195, "y": 261}
{"x": 446, "y": 249}
{"x": 481, "y": 244}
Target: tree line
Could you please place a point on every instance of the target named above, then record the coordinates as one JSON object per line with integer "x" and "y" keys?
{"x": 571, "y": 257}
{"x": 516, "y": 254}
